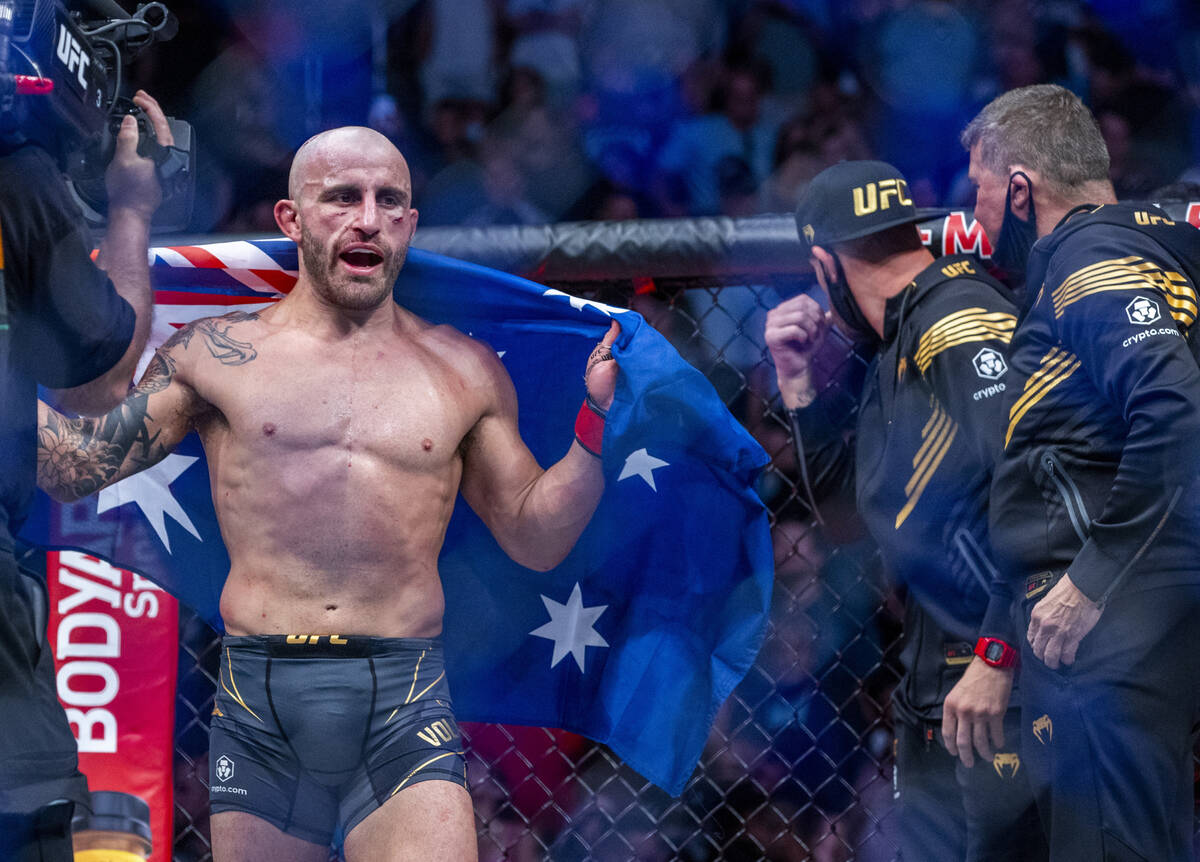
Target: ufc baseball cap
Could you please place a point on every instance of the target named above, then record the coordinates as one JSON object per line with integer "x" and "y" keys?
{"x": 852, "y": 200}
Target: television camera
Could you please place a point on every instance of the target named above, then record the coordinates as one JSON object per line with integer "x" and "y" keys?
{"x": 61, "y": 88}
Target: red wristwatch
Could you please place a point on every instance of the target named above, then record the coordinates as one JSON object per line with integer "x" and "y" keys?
{"x": 996, "y": 652}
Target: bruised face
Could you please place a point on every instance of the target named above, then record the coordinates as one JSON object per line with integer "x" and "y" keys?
{"x": 353, "y": 220}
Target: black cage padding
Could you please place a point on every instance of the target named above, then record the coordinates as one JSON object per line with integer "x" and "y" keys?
{"x": 686, "y": 251}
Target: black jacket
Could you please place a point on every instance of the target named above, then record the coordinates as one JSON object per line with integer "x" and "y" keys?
{"x": 1102, "y": 436}
{"x": 930, "y": 418}
{"x": 61, "y": 324}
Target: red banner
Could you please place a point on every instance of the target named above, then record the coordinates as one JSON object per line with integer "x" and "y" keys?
{"x": 115, "y": 638}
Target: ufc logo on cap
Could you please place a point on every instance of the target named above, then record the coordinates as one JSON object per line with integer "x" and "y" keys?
{"x": 875, "y": 196}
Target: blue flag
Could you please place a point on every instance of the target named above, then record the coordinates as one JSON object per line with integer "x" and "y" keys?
{"x": 637, "y": 638}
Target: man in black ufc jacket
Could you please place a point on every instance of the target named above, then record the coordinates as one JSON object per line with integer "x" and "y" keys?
{"x": 1095, "y": 515}
{"x": 928, "y": 429}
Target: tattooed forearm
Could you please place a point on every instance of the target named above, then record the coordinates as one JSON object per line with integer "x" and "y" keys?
{"x": 68, "y": 467}
{"x": 77, "y": 457}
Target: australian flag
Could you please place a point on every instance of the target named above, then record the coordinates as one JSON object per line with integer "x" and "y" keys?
{"x": 637, "y": 638}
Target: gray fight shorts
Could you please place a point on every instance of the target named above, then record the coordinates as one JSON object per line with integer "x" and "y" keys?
{"x": 314, "y": 732}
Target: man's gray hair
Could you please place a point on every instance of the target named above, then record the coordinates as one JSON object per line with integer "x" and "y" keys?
{"x": 1044, "y": 127}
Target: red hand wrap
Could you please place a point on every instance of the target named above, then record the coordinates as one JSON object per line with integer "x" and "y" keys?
{"x": 589, "y": 426}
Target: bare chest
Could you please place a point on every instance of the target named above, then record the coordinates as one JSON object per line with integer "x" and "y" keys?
{"x": 401, "y": 407}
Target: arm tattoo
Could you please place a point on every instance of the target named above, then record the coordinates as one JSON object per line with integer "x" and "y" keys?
{"x": 215, "y": 332}
{"x": 78, "y": 457}
{"x": 158, "y": 373}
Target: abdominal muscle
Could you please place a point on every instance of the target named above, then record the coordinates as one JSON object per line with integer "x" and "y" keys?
{"x": 319, "y": 547}
{"x": 258, "y": 599}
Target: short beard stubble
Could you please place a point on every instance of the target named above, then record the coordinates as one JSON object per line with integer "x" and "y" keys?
{"x": 342, "y": 289}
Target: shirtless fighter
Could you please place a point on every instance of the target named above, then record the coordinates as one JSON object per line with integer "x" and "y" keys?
{"x": 338, "y": 428}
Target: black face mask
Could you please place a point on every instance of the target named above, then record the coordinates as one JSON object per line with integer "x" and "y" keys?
{"x": 844, "y": 304}
{"x": 1011, "y": 249}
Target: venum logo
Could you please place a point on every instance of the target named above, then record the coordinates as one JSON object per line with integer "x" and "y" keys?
{"x": 1043, "y": 729}
{"x": 70, "y": 54}
{"x": 1006, "y": 763}
{"x": 989, "y": 364}
{"x": 1142, "y": 311}
{"x": 224, "y": 768}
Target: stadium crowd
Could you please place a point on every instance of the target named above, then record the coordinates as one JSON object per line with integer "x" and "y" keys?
{"x": 535, "y": 111}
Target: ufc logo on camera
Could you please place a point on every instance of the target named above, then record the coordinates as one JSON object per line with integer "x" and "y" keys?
{"x": 70, "y": 54}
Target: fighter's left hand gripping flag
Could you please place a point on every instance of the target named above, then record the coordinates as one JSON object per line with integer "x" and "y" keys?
{"x": 637, "y": 638}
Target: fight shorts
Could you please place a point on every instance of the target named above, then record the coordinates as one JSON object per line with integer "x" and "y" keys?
{"x": 314, "y": 732}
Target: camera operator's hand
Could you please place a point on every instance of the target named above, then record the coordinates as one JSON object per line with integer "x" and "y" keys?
{"x": 133, "y": 196}
{"x": 130, "y": 178}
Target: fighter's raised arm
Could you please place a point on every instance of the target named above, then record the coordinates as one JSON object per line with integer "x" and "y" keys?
{"x": 536, "y": 515}
{"x": 79, "y": 456}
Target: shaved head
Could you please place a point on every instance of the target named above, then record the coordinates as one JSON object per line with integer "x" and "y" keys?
{"x": 323, "y": 153}
{"x": 350, "y": 213}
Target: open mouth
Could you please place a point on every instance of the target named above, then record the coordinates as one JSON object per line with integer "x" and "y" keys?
{"x": 361, "y": 259}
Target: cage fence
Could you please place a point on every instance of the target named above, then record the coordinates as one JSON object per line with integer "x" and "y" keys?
{"x": 798, "y": 764}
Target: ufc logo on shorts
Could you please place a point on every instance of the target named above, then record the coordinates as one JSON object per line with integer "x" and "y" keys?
{"x": 313, "y": 640}
{"x": 1142, "y": 311}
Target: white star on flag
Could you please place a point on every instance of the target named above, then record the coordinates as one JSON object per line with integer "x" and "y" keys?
{"x": 578, "y": 302}
{"x": 499, "y": 353}
{"x": 571, "y": 627}
{"x": 642, "y": 463}
{"x": 151, "y": 490}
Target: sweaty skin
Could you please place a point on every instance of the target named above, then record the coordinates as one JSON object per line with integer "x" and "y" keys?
{"x": 338, "y": 426}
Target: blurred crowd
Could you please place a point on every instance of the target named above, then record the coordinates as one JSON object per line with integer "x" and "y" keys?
{"x": 525, "y": 112}
{"x": 536, "y": 111}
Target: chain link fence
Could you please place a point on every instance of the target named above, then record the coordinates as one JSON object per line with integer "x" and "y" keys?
{"x": 798, "y": 765}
